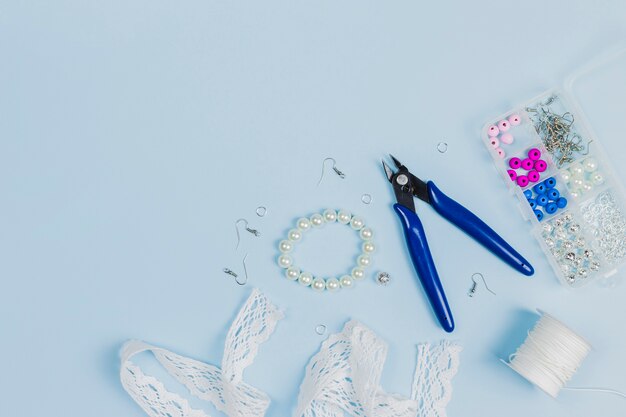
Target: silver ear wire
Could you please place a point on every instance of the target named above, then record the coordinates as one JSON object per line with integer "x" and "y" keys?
{"x": 248, "y": 229}
{"x": 337, "y": 171}
{"x": 474, "y": 286}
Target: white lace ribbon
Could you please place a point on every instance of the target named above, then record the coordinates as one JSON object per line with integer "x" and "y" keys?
{"x": 344, "y": 377}
{"x": 224, "y": 387}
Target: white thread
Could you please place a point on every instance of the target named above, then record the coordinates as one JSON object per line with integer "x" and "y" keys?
{"x": 551, "y": 355}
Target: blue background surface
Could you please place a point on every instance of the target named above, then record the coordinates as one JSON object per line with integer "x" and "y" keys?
{"x": 134, "y": 133}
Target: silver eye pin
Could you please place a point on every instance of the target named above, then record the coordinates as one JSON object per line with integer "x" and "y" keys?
{"x": 248, "y": 229}
{"x": 474, "y": 286}
{"x": 337, "y": 171}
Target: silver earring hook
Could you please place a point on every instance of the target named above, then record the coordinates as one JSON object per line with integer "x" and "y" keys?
{"x": 248, "y": 229}
{"x": 474, "y": 286}
{"x": 337, "y": 171}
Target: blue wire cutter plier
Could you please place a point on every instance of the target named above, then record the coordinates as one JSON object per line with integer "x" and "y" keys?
{"x": 406, "y": 186}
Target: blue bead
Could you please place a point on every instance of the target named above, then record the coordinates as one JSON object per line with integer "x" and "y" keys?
{"x": 539, "y": 214}
{"x": 528, "y": 194}
{"x": 540, "y": 188}
{"x": 551, "y": 208}
{"x": 542, "y": 200}
{"x": 553, "y": 194}
{"x": 561, "y": 202}
{"x": 550, "y": 182}
{"x": 532, "y": 203}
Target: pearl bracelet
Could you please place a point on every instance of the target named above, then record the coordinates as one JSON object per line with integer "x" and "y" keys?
{"x": 319, "y": 284}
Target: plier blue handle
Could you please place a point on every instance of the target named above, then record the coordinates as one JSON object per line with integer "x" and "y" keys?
{"x": 407, "y": 186}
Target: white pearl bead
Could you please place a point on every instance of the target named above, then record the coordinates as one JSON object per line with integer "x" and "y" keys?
{"x": 368, "y": 247}
{"x": 294, "y": 235}
{"x": 318, "y": 284}
{"x": 358, "y": 273}
{"x": 364, "y": 260}
{"x": 332, "y": 284}
{"x": 578, "y": 182}
{"x": 366, "y": 233}
{"x": 597, "y": 178}
{"x": 305, "y": 278}
{"x": 292, "y": 273}
{"x": 346, "y": 281}
{"x": 330, "y": 215}
{"x": 284, "y": 261}
{"x": 357, "y": 223}
{"x": 565, "y": 174}
{"x": 576, "y": 170}
{"x": 285, "y": 246}
{"x": 590, "y": 164}
{"x": 344, "y": 217}
{"x": 587, "y": 186}
{"x": 317, "y": 220}
{"x": 303, "y": 224}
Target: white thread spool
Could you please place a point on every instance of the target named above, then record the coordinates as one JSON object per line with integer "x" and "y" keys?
{"x": 550, "y": 355}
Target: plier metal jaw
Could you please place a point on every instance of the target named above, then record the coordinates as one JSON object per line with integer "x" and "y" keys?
{"x": 406, "y": 186}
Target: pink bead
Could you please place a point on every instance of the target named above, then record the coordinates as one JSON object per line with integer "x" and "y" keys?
{"x": 504, "y": 125}
{"x": 506, "y": 138}
{"x": 534, "y": 154}
{"x": 515, "y": 163}
{"x": 494, "y": 142}
{"x": 515, "y": 120}
{"x": 512, "y": 174}
{"x": 501, "y": 153}
{"x": 493, "y": 130}
{"x": 533, "y": 176}
{"x": 522, "y": 180}
{"x": 528, "y": 164}
{"x": 541, "y": 165}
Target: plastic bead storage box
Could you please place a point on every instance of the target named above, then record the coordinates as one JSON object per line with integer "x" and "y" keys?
{"x": 554, "y": 163}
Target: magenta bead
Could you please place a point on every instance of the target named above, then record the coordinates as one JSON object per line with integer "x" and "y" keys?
{"x": 512, "y": 174}
{"x": 533, "y": 176}
{"x": 541, "y": 165}
{"x": 504, "y": 125}
{"x": 528, "y": 164}
{"x": 515, "y": 163}
{"x": 494, "y": 142}
{"x": 506, "y": 138}
{"x": 493, "y": 131}
{"x": 501, "y": 153}
{"x": 534, "y": 154}
{"x": 515, "y": 120}
{"x": 522, "y": 180}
